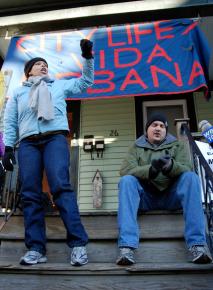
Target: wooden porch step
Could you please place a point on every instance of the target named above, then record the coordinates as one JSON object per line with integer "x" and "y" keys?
{"x": 161, "y": 238}
{"x": 149, "y": 276}
{"x": 162, "y": 260}
{"x": 153, "y": 226}
{"x": 66, "y": 268}
{"x": 166, "y": 251}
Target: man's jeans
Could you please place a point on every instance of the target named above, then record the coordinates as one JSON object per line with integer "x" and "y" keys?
{"x": 184, "y": 193}
{"x": 51, "y": 153}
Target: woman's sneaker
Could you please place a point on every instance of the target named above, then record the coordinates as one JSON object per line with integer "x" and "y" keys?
{"x": 126, "y": 257}
{"x": 201, "y": 254}
{"x": 33, "y": 257}
{"x": 79, "y": 256}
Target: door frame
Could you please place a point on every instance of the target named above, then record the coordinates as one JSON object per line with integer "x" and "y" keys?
{"x": 74, "y": 107}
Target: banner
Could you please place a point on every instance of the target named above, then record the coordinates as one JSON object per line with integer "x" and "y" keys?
{"x": 164, "y": 57}
{"x": 207, "y": 152}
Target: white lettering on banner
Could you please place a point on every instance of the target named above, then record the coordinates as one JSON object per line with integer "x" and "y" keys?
{"x": 208, "y": 134}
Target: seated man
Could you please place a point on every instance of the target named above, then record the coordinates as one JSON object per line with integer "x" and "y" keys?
{"x": 156, "y": 174}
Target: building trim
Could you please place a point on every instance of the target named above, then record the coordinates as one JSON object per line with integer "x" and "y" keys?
{"x": 99, "y": 15}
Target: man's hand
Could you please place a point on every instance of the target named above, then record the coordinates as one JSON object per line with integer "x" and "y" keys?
{"x": 163, "y": 164}
{"x": 8, "y": 159}
{"x": 86, "y": 48}
{"x": 166, "y": 163}
{"x": 154, "y": 169}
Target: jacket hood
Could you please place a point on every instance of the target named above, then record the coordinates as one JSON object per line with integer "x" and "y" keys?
{"x": 143, "y": 141}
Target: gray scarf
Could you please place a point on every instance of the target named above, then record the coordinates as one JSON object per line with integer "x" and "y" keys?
{"x": 40, "y": 98}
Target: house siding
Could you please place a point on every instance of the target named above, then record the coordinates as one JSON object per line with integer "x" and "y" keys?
{"x": 204, "y": 109}
{"x": 103, "y": 118}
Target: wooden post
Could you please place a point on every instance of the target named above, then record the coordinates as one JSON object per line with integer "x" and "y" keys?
{"x": 97, "y": 189}
{"x": 182, "y": 136}
{"x": 178, "y": 124}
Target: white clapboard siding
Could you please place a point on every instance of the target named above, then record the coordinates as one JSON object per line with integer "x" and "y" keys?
{"x": 99, "y": 118}
{"x": 204, "y": 108}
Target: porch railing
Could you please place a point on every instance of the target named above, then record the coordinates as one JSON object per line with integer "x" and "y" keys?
{"x": 10, "y": 195}
{"x": 205, "y": 173}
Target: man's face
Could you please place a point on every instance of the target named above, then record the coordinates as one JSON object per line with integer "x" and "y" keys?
{"x": 39, "y": 68}
{"x": 156, "y": 132}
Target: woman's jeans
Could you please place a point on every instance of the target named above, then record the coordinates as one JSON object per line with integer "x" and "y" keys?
{"x": 184, "y": 193}
{"x": 51, "y": 154}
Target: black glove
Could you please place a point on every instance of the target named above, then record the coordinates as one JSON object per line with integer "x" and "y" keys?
{"x": 166, "y": 163}
{"x": 154, "y": 169}
{"x": 8, "y": 159}
{"x": 86, "y": 48}
{"x": 163, "y": 164}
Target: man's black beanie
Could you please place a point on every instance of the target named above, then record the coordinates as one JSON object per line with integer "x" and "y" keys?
{"x": 28, "y": 65}
{"x": 156, "y": 117}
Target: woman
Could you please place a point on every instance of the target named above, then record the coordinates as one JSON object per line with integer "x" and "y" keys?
{"x": 36, "y": 117}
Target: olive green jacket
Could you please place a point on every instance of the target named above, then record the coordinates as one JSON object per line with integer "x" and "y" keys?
{"x": 140, "y": 155}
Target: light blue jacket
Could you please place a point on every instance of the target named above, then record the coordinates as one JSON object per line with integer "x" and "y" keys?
{"x": 20, "y": 121}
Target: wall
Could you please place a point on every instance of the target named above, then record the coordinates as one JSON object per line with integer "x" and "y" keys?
{"x": 203, "y": 108}
{"x": 105, "y": 118}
